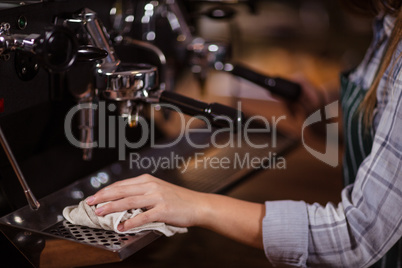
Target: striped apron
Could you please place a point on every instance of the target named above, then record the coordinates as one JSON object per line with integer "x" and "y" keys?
{"x": 358, "y": 143}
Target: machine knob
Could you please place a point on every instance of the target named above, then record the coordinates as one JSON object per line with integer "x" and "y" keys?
{"x": 56, "y": 49}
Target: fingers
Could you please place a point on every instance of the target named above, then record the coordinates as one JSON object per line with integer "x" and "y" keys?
{"x": 114, "y": 193}
{"x": 139, "y": 220}
{"x": 129, "y": 187}
{"x": 132, "y": 202}
{"x": 136, "y": 180}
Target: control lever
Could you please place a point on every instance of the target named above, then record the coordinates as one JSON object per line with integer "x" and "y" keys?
{"x": 218, "y": 115}
{"x": 90, "y": 53}
{"x": 277, "y": 86}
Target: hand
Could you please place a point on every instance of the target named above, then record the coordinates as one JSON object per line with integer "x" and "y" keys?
{"x": 163, "y": 202}
{"x": 178, "y": 206}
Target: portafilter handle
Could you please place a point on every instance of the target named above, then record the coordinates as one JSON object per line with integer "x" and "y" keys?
{"x": 218, "y": 115}
{"x": 131, "y": 84}
{"x": 277, "y": 86}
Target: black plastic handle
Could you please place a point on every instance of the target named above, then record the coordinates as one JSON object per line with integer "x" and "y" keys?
{"x": 218, "y": 115}
{"x": 278, "y": 86}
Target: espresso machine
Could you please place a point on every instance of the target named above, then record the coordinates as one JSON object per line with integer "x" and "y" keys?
{"x": 77, "y": 79}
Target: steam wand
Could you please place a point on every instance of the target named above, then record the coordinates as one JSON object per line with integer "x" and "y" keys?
{"x": 33, "y": 202}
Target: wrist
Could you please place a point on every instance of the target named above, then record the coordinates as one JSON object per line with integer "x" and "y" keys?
{"x": 203, "y": 209}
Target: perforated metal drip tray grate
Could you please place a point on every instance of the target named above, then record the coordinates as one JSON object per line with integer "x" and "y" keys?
{"x": 107, "y": 239}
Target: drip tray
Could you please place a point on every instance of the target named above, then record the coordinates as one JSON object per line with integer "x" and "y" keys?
{"x": 108, "y": 240}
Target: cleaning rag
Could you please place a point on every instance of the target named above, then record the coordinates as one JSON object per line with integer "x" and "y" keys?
{"x": 83, "y": 214}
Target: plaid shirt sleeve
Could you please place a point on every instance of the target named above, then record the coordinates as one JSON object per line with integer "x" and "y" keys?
{"x": 367, "y": 222}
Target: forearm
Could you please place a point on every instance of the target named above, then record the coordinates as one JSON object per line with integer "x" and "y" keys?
{"x": 237, "y": 219}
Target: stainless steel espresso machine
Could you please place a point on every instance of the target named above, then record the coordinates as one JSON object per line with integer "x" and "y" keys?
{"x": 78, "y": 83}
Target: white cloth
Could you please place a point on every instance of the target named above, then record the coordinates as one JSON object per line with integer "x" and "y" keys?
{"x": 83, "y": 214}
